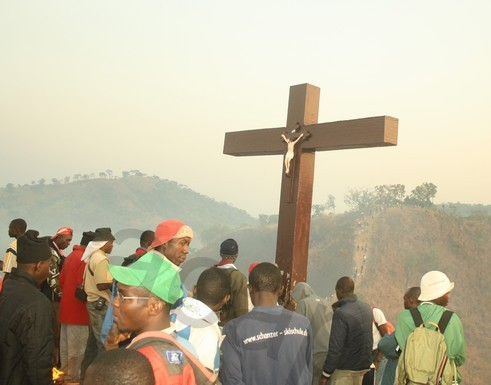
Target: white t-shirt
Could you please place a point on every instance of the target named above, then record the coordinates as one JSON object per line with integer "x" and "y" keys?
{"x": 197, "y": 323}
{"x": 379, "y": 319}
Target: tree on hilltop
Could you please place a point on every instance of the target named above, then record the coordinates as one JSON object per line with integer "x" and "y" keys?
{"x": 422, "y": 195}
{"x": 389, "y": 195}
{"x": 360, "y": 199}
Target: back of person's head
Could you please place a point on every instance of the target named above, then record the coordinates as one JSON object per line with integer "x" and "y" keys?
{"x": 31, "y": 248}
{"x": 301, "y": 291}
{"x": 19, "y": 224}
{"x": 146, "y": 238}
{"x": 87, "y": 236}
{"x": 120, "y": 367}
{"x": 414, "y": 292}
{"x": 265, "y": 277}
{"x": 345, "y": 286}
{"x": 411, "y": 297}
{"x": 213, "y": 286}
{"x": 229, "y": 249}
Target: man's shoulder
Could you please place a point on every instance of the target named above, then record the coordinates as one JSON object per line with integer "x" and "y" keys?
{"x": 156, "y": 338}
{"x": 435, "y": 312}
{"x": 98, "y": 256}
{"x": 378, "y": 316}
{"x": 237, "y": 275}
{"x": 24, "y": 296}
{"x": 194, "y": 313}
{"x": 265, "y": 313}
{"x": 250, "y": 317}
{"x": 171, "y": 353}
{"x": 355, "y": 303}
{"x": 75, "y": 256}
{"x": 298, "y": 319}
{"x": 316, "y": 301}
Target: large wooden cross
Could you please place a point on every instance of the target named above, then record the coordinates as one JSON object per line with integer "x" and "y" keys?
{"x": 299, "y": 141}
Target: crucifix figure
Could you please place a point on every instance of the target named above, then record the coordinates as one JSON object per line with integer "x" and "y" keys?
{"x": 298, "y": 169}
{"x": 290, "y": 153}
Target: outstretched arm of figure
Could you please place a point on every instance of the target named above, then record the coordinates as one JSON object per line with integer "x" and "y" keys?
{"x": 296, "y": 140}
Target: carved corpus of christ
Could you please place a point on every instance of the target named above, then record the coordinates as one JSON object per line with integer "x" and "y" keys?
{"x": 290, "y": 153}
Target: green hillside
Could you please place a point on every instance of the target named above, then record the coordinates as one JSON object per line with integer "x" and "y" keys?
{"x": 128, "y": 205}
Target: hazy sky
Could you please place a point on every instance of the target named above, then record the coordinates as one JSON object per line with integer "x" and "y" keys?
{"x": 87, "y": 86}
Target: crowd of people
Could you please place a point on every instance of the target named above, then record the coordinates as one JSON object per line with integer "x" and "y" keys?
{"x": 137, "y": 323}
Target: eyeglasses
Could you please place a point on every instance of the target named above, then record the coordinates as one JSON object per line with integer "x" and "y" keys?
{"x": 124, "y": 298}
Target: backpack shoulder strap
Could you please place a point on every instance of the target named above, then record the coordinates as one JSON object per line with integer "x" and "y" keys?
{"x": 418, "y": 320}
{"x": 203, "y": 374}
{"x": 88, "y": 267}
{"x": 444, "y": 320}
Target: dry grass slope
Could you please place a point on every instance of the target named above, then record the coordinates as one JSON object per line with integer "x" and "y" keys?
{"x": 401, "y": 244}
{"x": 408, "y": 242}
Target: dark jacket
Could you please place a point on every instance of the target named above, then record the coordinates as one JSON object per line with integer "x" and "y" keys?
{"x": 239, "y": 297}
{"x": 351, "y": 340}
{"x": 134, "y": 257}
{"x": 26, "y": 333}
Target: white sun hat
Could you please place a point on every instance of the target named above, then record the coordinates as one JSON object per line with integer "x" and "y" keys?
{"x": 434, "y": 284}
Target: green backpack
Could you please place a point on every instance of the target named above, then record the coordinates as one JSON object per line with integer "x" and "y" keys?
{"x": 424, "y": 358}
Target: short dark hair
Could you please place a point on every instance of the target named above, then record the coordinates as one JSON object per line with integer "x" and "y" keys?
{"x": 19, "y": 224}
{"x": 265, "y": 277}
{"x": 120, "y": 367}
{"x": 345, "y": 284}
{"x": 413, "y": 292}
{"x": 146, "y": 238}
{"x": 212, "y": 286}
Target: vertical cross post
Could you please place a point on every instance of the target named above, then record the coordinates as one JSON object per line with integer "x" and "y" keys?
{"x": 296, "y": 191}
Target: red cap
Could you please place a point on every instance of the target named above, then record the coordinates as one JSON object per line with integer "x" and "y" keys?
{"x": 63, "y": 231}
{"x": 168, "y": 230}
{"x": 252, "y": 266}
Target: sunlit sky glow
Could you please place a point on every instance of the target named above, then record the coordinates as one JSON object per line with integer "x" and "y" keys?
{"x": 87, "y": 86}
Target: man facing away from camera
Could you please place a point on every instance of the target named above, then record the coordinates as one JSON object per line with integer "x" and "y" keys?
{"x": 270, "y": 344}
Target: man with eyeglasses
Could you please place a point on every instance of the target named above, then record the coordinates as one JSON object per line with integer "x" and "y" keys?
{"x": 171, "y": 241}
{"x": 146, "y": 291}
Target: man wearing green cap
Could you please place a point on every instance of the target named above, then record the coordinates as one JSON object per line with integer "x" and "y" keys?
{"x": 146, "y": 291}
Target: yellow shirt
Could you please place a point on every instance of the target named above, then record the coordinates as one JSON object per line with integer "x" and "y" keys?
{"x": 98, "y": 262}
{"x": 10, "y": 259}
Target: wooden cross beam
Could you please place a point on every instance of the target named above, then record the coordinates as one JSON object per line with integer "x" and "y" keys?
{"x": 299, "y": 141}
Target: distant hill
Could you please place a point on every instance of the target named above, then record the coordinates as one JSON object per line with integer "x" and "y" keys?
{"x": 466, "y": 209}
{"x": 128, "y": 205}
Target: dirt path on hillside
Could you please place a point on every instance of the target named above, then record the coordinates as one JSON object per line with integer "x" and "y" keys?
{"x": 363, "y": 234}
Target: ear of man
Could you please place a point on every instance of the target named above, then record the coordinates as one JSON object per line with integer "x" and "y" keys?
{"x": 156, "y": 307}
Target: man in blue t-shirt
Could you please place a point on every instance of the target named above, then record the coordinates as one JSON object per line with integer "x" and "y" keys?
{"x": 268, "y": 345}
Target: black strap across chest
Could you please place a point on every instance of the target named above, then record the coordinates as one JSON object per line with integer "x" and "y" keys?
{"x": 442, "y": 324}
